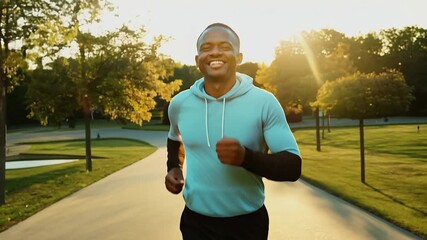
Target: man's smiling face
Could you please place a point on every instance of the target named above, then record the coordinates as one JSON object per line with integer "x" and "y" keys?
{"x": 218, "y": 54}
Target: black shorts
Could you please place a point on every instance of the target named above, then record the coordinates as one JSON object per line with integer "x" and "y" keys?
{"x": 252, "y": 226}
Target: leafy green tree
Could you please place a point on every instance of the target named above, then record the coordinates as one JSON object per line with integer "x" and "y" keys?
{"x": 188, "y": 74}
{"x": 248, "y": 68}
{"x": 363, "y": 96}
{"x": 16, "y": 107}
{"x": 303, "y": 64}
{"x": 116, "y": 73}
{"x": 45, "y": 106}
{"x": 366, "y": 53}
{"x": 284, "y": 73}
{"x": 406, "y": 50}
{"x": 264, "y": 77}
{"x": 251, "y": 69}
{"x": 324, "y": 42}
{"x": 29, "y": 28}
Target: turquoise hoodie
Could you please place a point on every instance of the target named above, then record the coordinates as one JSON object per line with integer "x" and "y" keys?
{"x": 249, "y": 114}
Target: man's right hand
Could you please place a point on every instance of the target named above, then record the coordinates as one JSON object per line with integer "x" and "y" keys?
{"x": 174, "y": 180}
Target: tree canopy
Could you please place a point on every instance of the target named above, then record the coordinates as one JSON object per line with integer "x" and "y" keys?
{"x": 118, "y": 72}
{"x": 362, "y": 96}
{"x": 304, "y": 63}
{"x": 365, "y": 95}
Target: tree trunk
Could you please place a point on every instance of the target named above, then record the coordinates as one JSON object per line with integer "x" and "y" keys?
{"x": 317, "y": 130}
{"x": 3, "y": 129}
{"x": 87, "y": 118}
{"x": 323, "y": 125}
{"x": 362, "y": 151}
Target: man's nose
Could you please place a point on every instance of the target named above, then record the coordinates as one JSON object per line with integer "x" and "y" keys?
{"x": 216, "y": 51}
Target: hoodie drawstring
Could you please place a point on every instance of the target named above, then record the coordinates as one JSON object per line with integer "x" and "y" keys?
{"x": 206, "y": 121}
{"x": 223, "y": 114}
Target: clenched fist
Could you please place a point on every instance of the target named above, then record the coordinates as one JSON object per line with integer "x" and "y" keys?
{"x": 174, "y": 180}
{"x": 230, "y": 151}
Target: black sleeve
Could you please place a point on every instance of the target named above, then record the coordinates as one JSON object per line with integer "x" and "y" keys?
{"x": 281, "y": 166}
{"x": 173, "y": 154}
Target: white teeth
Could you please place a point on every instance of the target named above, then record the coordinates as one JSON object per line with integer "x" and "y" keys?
{"x": 216, "y": 63}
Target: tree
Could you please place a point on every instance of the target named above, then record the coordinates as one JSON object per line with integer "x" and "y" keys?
{"x": 248, "y": 68}
{"x": 28, "y": 28}
{"x": 264, "y": 77}
{"x": 366, "y": 53}
{"x": 363, "y": 96}
{"x": 283, "y": 77}
{"x": 406, "y": 50}
{"x": 45, "y": 106}
{"x": 117, "y": 73}
{"x": 188, "y": 75}
{"x": 16, "y": 107}
{"x": 303, "y": 64}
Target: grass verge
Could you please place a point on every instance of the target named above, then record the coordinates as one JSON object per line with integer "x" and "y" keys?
{"x": 33, "y": 189}
{"x": 396, "y": 170}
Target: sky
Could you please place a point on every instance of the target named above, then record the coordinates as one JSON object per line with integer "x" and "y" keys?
{"x": 261, "y": 25}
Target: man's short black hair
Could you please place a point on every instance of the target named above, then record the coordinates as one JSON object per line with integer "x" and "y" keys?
{"x": 223, "y": 26}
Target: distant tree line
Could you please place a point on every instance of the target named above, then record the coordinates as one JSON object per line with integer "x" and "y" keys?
{"x": 304, "y": 64}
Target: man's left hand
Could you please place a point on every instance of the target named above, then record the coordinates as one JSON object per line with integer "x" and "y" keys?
{"x": 230, "y": 151}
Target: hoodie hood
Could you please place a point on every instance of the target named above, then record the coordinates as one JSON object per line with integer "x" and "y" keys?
{"x": 243, "y": 84}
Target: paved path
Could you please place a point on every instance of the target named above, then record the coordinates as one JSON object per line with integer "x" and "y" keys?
{"x": 133, "y": 204}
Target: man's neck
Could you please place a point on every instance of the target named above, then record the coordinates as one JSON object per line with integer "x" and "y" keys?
{"x": 217, "y": 89}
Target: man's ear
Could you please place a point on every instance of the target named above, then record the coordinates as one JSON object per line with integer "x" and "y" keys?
{"x": 196, "y": 58}
{"x": 239, "y": 58}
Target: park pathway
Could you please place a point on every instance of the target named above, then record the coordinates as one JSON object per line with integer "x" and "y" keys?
{"x": 133, "y": 204}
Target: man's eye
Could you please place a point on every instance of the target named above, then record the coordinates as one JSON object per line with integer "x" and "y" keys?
{"x": 226, "y": 47}
{"x": 205, "y": 49}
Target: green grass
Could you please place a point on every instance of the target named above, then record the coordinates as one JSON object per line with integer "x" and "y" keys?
{"x": 396, "y": 170}
{"x": 31, "y": 190}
